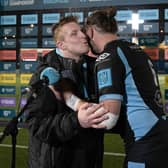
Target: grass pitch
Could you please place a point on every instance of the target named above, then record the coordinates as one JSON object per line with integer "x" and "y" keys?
{"x": 113, "y": 153}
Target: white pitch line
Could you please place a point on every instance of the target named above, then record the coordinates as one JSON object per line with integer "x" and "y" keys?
{"x": 114, "y": 154}
{"x": 17, "y": 146}
{"x": 25, "y": 147}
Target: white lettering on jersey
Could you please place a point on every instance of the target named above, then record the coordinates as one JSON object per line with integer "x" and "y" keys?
{"x": 102, "y": 56}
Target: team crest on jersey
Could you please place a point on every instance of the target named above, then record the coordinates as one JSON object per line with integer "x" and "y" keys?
{"x": 103, "y": 56}
{"x": 104, "y": 78}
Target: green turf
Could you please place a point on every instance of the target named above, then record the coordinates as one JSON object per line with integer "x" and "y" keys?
{"x": 21, "y": 154}
{"x": 113, "y": 143}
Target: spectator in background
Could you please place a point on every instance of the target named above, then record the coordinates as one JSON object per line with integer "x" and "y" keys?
{"x": 59, "y": 136}
{"x": 125, "y": 75}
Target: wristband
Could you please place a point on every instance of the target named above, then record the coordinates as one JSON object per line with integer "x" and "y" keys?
{"x": 111, "y": 121}
{"x": 72, "y": 102}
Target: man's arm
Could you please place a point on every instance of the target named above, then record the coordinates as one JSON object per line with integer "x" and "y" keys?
{"x": 50, "y": 120}
{"x": 113, "y": 106}
{"x": 103, "y": 115}
{"x": 89, "y": 114}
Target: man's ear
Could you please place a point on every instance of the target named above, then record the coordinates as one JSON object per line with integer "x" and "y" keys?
{"x": 90, "y": 32}
{"x": 61, "y": 45}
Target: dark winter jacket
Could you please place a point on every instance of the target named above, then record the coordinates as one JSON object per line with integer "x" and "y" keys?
{"x": 56, "y": 138}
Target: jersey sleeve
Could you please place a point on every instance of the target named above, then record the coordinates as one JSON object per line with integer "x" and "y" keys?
{"x": 110, "y": 73}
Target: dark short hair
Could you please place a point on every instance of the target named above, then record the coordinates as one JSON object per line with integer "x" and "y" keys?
{"x": 103, "y": 20}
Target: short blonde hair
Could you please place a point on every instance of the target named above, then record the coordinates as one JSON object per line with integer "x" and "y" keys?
{"x": 56, "y": 29}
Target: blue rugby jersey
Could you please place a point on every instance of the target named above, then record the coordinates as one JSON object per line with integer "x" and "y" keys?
{"x": 125, "y": 72}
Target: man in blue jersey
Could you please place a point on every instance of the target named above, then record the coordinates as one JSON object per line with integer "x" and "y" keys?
{"x": 125, "y": 75}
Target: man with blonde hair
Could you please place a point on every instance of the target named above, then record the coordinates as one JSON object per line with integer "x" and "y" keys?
{"x": 59, "y": 136}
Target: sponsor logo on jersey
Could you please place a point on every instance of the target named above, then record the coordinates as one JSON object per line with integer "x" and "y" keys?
{"x": 102, "y": 56}
{"x": 104, "y": 78}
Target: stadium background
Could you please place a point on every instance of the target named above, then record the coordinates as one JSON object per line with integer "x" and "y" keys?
{"x": 25, "y": 34}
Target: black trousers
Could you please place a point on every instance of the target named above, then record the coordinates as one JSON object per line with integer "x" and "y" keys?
{"x": 151, "y": 151}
